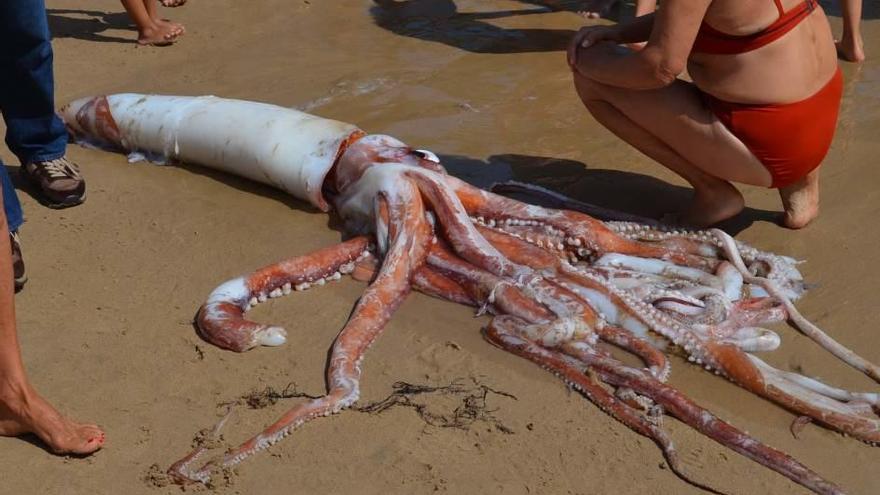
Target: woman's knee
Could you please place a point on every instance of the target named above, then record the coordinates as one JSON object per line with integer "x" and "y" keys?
{"x": 588, "y": 89}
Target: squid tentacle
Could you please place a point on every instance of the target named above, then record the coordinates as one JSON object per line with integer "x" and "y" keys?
{"x": 427, "y": 280}
{"x": 743, "y": 315}
{"x": 410, "y": 236}
{"x": 511, "y": 301}
{"x": 502, "y": 332}
{"x": 829, "y": 406}
{"x": 806, "y": 326}
{"x": 432, "y": 282}
{"x": 221, "y": 319}
{"x": 520, "y": 251}
{"x": 462, "y": 235}
{"x": 581, "y": 230}
{"x": 507, "y": 333}
{"x": 686, "y": 410}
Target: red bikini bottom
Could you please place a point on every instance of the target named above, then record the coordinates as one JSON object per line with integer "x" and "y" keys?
{"x": 790, "y": 139}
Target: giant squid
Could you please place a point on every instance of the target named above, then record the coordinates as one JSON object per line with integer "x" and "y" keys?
{"x": 560, "y": 286}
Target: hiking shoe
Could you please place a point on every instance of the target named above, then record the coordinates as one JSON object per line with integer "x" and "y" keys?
{"x": 58, "y": 181}
{"x": 18, "y": 274}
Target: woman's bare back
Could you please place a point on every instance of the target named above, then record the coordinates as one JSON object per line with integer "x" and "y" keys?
{"x": 789, "y": 69}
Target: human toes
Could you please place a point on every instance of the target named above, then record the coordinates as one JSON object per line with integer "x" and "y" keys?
{"x": 80, "y": 440}
{"x": 163, "y": 36}
{"x": 174, "y": 31}
{"x": 175, "y": 27}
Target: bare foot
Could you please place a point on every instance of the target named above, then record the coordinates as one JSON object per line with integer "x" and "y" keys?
{"x": 595, "y": 9}
{"x": 172, "y": 3}
{"x": 176, "y": 26}
{"x": 714, "y": 204}
{"x": 801, "y": 201}
{"x": 851, "y": 49}
{"x": 25, "y": 411}
{"x": 160, "y": 34}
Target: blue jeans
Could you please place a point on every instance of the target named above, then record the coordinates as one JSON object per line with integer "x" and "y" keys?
{"x": 27, "y": 92}
{"x": 11, "y": 206}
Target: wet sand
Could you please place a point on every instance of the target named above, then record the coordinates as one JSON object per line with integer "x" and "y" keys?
{"x": 106, "y": 319}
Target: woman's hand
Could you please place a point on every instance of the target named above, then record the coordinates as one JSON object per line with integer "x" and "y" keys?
{"x": 588, "y": 36}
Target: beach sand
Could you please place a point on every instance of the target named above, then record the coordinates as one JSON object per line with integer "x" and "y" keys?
{"x": 106, "y": 319}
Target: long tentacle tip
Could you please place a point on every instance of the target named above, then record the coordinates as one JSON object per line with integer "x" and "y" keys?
{"x": 272, "y": 336}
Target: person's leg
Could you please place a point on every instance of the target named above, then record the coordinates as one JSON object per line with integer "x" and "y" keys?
{"x": 15, "y": 218}
{"x": 34, "y": 132}
{"x": 801, "y": 201}
{"x": 149, "y": 32}
{"x": 11, "y": 205}
{"x": 27, "y": 90}
{"x": 673, "y": 126}
{"x": 152, "y": 7}
{"x": 850, "y": 46}
{"x": 22, "y": 410}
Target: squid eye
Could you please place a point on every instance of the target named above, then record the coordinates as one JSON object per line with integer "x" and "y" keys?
{"x": 427, "y": 155}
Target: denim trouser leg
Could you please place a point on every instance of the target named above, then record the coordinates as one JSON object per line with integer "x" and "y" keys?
{"x": 27, "y": 100}
{"x": 11, "y": 206}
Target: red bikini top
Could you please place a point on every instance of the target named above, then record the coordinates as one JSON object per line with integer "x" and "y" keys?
{"x": 711, "y": 40}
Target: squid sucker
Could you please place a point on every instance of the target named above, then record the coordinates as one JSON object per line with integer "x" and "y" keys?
{"x": 560, "y": 286}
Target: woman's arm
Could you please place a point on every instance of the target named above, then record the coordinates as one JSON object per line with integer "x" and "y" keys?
{"x": 672, "y": 32}
{"x": 636, "y": 30}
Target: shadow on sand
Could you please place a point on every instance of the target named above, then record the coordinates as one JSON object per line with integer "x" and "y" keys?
{"x": 628, "y": 192}
{"x": 89, "y": 24}
{"x": 439, "y": 21}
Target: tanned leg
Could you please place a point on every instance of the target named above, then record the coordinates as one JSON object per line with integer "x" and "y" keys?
{"x": 801, "y": 201}
{"x": 149, "y": 32}
{"x": 22, "y": 409}
{"x": 714, "y": 199}
{"x": 152, "y": 7}
{"x": 850, "y": 46}
{"x": 673, "y": 126}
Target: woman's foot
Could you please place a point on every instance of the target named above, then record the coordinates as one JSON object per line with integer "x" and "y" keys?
{"x": 172, "y": 3}
{"x": 595, "y": 9}
{"x": 162, "y": 33}
{"x": 176, "y": 26}
{"x": 24, "y": 411}
{"x": 801, "y": 201}
{"x": 713, "y": 204}
{"x": 851, "y": 48}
